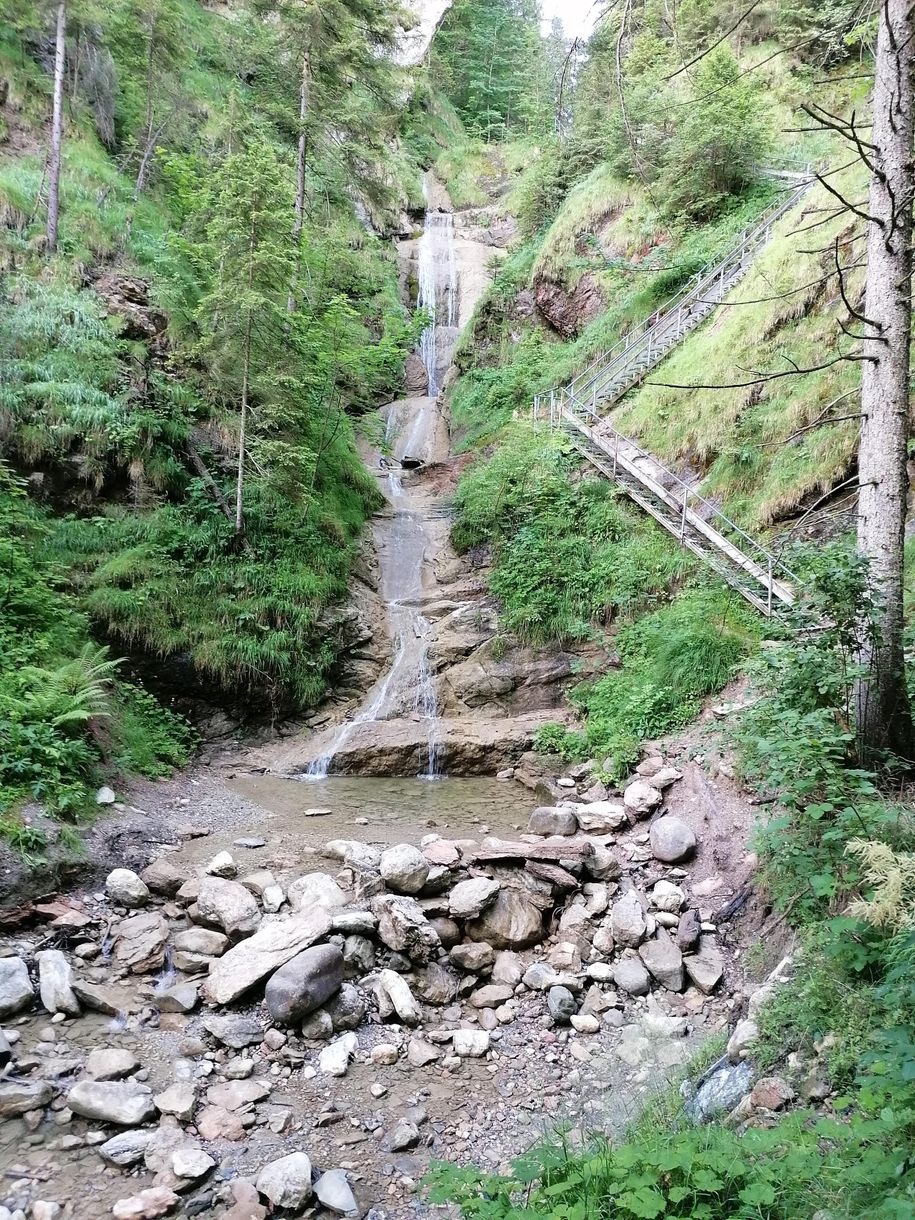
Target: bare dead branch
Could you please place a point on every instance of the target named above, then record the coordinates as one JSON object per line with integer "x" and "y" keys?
{"x": 717, "y": 43}
{"x": 796, "y": 371}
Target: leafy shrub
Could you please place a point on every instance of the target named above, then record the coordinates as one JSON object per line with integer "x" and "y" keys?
{"x": 671, "y": 659}
{"x": 60, "y": 701}
{"x": 797, "y": 741}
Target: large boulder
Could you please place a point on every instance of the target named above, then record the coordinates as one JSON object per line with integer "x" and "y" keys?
{"x": 228, "y": 905}
{"x": 20, "y": 1096}
{"x": 201, "y": 940}
{"x": 627, "y": 920}
{"x": 125, "y": 1102}
{"x": 642, "y": 798}
{"x": 630, "y": 975}
{"x": 315, "y": 891}
{"x": 404, "y": 869}
{"x": 552, "y": 820}
{"x": 260, "y": 955}
{"x": 15, "y": 989}
{"x": 671, "y": 840}
{"x": 139, "y": 942}
{"x": 513, "y": 921}
{"x": 126, "y": 889}
{"x": 664, "y": 961}
{"x": 601, "y": 817}
{"x": 394, "y": 996}
{"x": 706, "y": 967}
{"x": 304, "y": 984}
{"x": 403, "y": 927}
{"x": 165, "y": 875}
{"x": 55, "y": 983}
{"x": 286, "y": 1182}
{"x": 470, "y": 898}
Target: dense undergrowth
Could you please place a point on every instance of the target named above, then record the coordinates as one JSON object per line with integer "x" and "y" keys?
{"x": 123, "y": 360}
{"x": 837, "y": 858}
{"x": 835, "y": 839}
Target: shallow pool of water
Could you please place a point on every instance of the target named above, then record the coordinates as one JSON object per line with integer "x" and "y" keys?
{"x": 399, "y": 810}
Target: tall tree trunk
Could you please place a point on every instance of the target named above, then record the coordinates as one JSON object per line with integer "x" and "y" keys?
{"x": 301, "y": 159}
{"x": 245, "y": 390}
{"x": 883, "y": 712}
{"x": 57, "y": 127}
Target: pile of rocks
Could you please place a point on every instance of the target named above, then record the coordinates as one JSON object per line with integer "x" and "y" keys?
{"x": 447, "y": 943}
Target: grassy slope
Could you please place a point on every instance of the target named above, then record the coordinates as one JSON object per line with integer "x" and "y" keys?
{"x": 143, "y": 552}
{"x": 740, "y": 436}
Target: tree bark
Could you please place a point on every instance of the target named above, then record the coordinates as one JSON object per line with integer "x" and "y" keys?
{"x": 884, "y": 718}
{"x": 245, "y": 389}
{"x": 57, "y": 125}
{"x": 302, "y": 156}
{"x": 301, "y": 159}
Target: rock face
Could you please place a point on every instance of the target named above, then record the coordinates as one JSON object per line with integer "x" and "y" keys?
{"x": 125, "y": 888}
{"x": 404, "y": 869}
{"x": 228, "y": 905}
{"x": 304, "y": 984}
{"x": 126, "y": 1103}
{"x": 512, "y": 922}
{"x": 287, "y": 1181}
{"x": 263, "y": 953}
{"x": 15, "y": 988}
{"x": 470, "y": 898}
{"x": 671, "y": 840}
{"x": 54, "y": 983}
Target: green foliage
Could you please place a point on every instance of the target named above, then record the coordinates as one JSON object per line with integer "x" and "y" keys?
{"x": 670, "y": 660}
{"x": 568, "y": 556}
{"x": 720, "y": 142}
{"x": 488, "y": 54}
{"x": 790, "y": 1171}
{"x": 60, "y": 700}
{"x": 797, "y": 740}
{"x": 149, "y": 739}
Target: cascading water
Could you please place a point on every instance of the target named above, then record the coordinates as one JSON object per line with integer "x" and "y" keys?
{"x": 407, "y": 688}
{"x": 437, "y": 292}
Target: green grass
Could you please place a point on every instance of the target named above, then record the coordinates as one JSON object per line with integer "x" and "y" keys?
{"x": 598, "y": 203}
{"x": 749, "y": 438}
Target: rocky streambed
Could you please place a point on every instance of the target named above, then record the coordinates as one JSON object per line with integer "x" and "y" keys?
{"x": 301, "y": 1035}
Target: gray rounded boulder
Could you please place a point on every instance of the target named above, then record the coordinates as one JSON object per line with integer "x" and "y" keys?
{"x": 305, "y": 983}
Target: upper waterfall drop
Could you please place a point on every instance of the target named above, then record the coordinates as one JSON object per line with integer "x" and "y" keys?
{"x": 437, "y": 291}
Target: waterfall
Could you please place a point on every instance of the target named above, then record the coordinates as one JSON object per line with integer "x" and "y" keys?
{"x": 407, "y": 688}
{"x": 437, "y": 292}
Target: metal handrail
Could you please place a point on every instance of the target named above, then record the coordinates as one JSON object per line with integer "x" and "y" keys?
{"x": 708, "y": 274}
{"x": 689, "y": 492}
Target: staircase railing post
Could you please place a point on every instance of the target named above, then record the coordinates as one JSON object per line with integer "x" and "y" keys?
{"x": 616, "y": 449}
{"x": 552, "y": 409}
{"x": 769, "y": 599}
{"x": 683, "y": 515}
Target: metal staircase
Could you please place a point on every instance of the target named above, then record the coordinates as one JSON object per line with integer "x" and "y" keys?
{"x": 748, "y": 566}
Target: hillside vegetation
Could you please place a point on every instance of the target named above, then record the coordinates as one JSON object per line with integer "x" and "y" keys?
{"x": 654, "y": 172}
{"x": 189, "y": 277}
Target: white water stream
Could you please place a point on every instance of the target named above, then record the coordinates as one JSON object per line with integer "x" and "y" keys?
{"x": 407, "y": 688}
